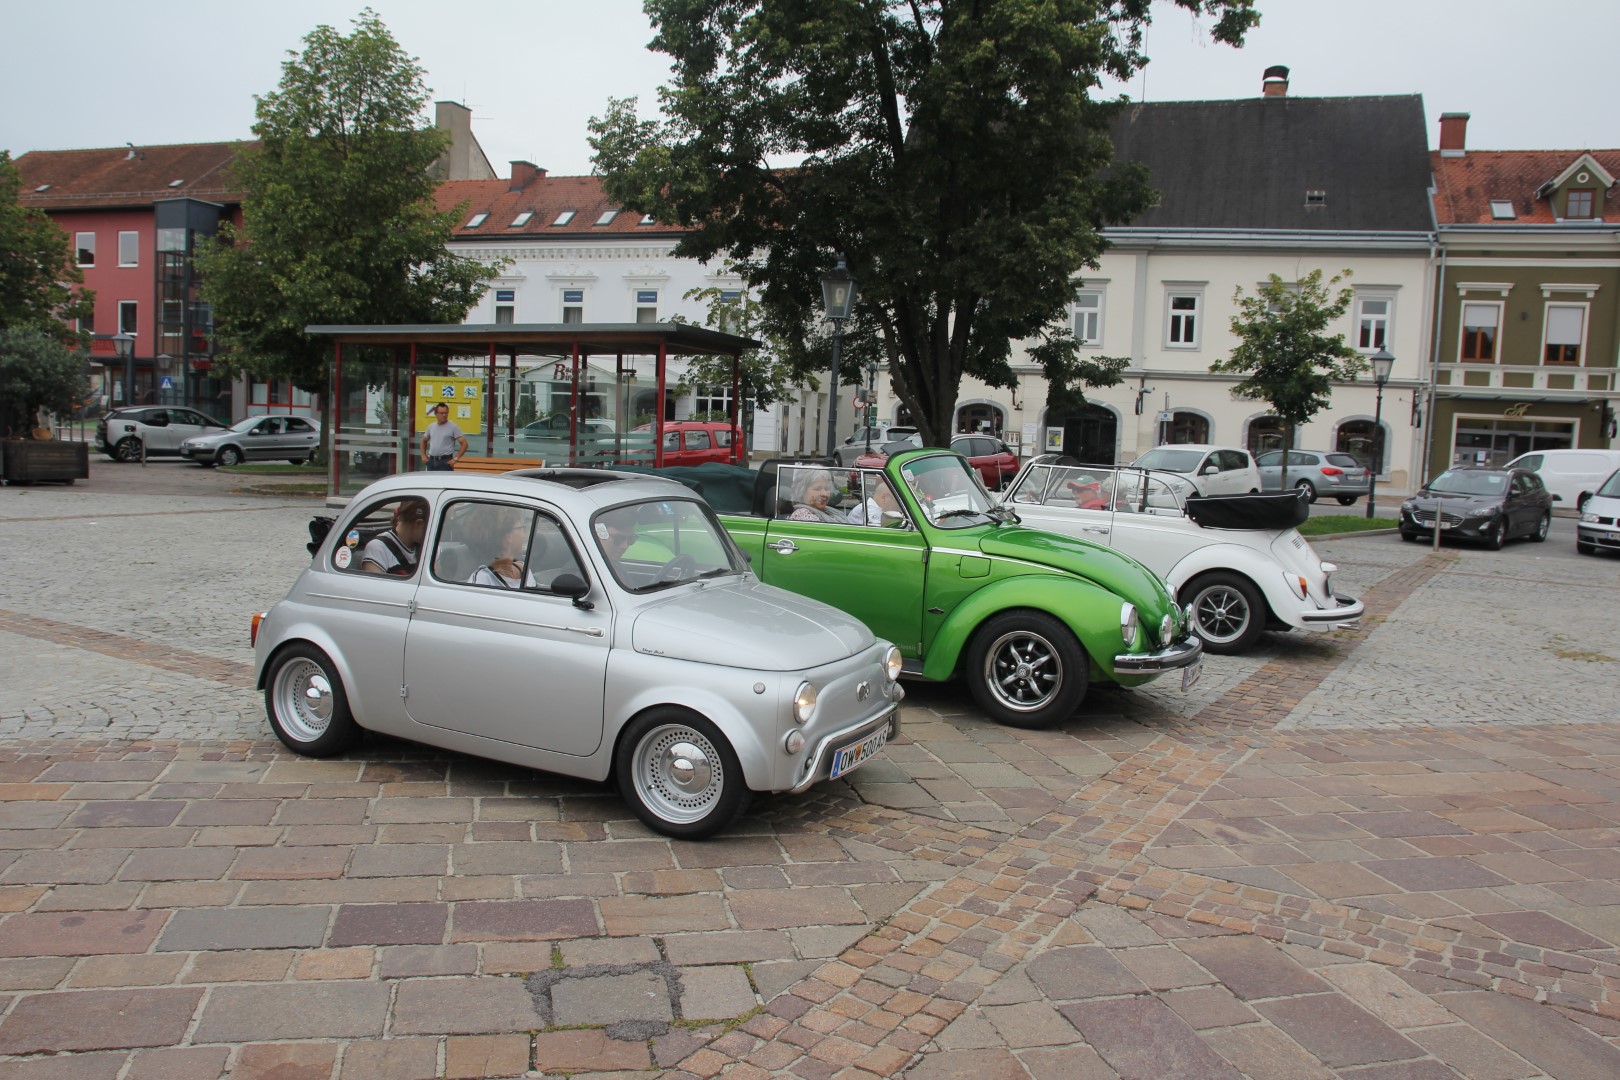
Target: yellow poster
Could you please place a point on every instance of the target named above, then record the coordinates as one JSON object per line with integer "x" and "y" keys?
{"x": 464, "y": 396}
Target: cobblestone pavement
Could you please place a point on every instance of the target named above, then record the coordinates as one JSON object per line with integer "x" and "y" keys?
{"x": 1378, "y": 854}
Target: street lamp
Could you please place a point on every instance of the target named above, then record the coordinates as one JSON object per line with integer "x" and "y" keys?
{"x": 1382, "y": 362}
{"x": 871, "y": 400}
{"x": 124, "y": 345}
{"x": 837, "y": 299}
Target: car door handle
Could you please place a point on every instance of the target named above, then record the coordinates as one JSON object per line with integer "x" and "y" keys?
{"x": 1095, "y": 529}
{"x": 784, "y": 547}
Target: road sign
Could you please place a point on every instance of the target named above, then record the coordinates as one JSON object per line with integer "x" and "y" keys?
{"x": 858, "y": 404}
{"x": 167, "y": 383}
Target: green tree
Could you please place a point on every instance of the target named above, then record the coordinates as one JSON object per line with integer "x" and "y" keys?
{"x": 41, "y": 285}
{"x": 764, "y": 376}
{"x": 38, "y": 370}
{"x": 338, "y": 219}
{"x": 952, "y": 150}
{"x": 1291, "y": 360}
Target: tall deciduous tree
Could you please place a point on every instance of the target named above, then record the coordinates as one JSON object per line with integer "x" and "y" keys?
{"x": 951, "y": 150}
{"x": 1286, "y": 351}
{"x": 339, "y": 224}
{"x": 40, "y": 281}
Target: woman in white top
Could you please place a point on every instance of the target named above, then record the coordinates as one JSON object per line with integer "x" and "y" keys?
{"x": 506, "y": 534}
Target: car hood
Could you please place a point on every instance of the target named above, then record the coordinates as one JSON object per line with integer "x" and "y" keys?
{"x": 1455, "y": 503}
{"x": 1113, "y": 570}
{"x": 747, "y": 624}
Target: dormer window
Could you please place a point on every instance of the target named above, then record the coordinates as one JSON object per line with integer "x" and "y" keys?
{"x": 521, "y": 220}
{"x": 1578, "y": 203}
{"x": 647, "y": 219}
{"x": 475, "y": 221}
{"x": 42, "y": 187}
{"x": 1502, "y": 209}
{"x": 565, "y": 217}
{"x": 607, "y": 217}
{"x": 176, "y": 183}
{"x": 1316, "y": 198}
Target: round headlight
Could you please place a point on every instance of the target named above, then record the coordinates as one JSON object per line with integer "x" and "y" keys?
{"x": 892, "y": 663}
{"x": 1167, "y": 630}
{"x": 794, "y": 742}
{"x": 1127, "y": 622}
{"x": 804, "y": 703}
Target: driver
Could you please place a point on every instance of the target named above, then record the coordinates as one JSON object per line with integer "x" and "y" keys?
{"x": 615, "y": 538}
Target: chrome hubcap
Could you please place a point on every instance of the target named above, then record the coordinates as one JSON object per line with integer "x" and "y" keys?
{"x": 1022, "y": 670}
{"x": 305, "y": 697}
{"x": 678, "y": 773}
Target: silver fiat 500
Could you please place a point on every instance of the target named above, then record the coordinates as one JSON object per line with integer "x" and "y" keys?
{"x": 581, "y": 621}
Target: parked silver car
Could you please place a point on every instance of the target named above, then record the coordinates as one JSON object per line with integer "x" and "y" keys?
{"x": 257, "y": 438}
{"x": 136, "y": 431}
{"x": 1317, "y": 473}
{"x": 582, "y": 621}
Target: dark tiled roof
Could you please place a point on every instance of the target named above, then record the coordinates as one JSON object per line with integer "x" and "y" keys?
{"x": 122, "y": 177}
{"x": 546, "y": 197}
{"x": 1248, "y": 164}
{"x": 1465, "y": 186}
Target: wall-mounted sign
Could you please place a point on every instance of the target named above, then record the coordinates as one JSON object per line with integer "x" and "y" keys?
{"x": 646, "y": 296}
{"x": 505, "y": 296}
{"x": 464, "y": 396}
{"x": 573, "y": 296}
{"x": 1054, "y": 440}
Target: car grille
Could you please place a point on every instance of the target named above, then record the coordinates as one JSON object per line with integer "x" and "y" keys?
{"x": 1426, "y": 517}
{"x": 1605, "y": 521}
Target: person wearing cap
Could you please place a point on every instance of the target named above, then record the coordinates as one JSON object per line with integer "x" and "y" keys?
{"x": 443, "y": 444}
{"x": 396, "y": 549}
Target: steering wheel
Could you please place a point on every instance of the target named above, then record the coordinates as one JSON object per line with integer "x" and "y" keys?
{"x": 679, "y": 568}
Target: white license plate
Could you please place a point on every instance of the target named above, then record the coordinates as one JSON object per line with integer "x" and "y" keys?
{"x": 1192, "y": 673}
{"x": 849, "y": 758}
{"x": 1611, "y": 536}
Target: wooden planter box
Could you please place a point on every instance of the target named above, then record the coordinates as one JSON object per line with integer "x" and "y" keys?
{"x": 32, "y": 461}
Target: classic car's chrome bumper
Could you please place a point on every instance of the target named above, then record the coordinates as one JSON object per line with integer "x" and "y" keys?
{"x": 819, "y": 764}
{"x": 1344, "y": 617}
{"x": 1177, "y": 654}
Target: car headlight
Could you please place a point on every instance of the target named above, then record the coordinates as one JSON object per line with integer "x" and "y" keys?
{"x": 804, "y": 702}
{"x": 1588, "y": 518}
{"x": 1127, "y": 622}
{"x": 1483, "y": 511}
{"x": 892, "y": 663}
{"x": 1409, "y": 506}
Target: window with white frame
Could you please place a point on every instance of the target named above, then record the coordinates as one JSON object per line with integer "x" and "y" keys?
{"x": 127, "y": 312}
{"x": 713, "y": 400}
{"x": 1088, "y": 313}
{"x": 129, "y": 249}
{"x": 573, "y": 305}
{"x": 1480, "y": 324}
{"x": 1184, "y": 308}
{"x": 1373, "y": 315}
{"x": 86, "y": 243}
{"x": 1565, "y": 333}
{"x": 646, "y": 305}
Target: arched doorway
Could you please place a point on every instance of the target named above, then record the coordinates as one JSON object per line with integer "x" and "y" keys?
{"x": 1265, "y": 433}
{"x": 1090, "y": 435}
{"x": 980, "y": 417}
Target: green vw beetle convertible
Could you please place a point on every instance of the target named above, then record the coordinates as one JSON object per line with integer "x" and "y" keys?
{"x": 920, "y": 553}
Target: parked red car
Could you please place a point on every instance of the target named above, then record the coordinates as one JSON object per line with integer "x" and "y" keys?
{"x": 989, "y": 456}
{"x": 693, "y": 442}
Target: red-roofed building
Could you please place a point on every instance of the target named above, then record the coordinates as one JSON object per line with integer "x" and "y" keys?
{"x": 1528, "y": 338}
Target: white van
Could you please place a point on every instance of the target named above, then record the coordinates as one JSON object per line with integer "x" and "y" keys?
{"x": 1568, "y": 473}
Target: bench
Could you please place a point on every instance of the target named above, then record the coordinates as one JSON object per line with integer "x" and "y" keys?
{"x": 494, "y": 466}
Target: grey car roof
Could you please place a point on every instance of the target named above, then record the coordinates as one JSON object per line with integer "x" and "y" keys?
{"x": 604, "y": 487}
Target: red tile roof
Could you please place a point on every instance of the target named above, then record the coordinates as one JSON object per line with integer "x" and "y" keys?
{"x": 1465, "y": 186}
{"x": 124, "y": 176}
{"x": 546, "y": 197}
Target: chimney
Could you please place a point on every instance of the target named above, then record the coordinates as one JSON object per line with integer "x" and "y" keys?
{"x": 524, "y": 172}
{"x": 1275, "y": 81}
{"x": 1453, "y": 134}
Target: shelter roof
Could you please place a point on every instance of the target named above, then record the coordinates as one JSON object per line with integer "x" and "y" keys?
{"x": 548, "y": 339}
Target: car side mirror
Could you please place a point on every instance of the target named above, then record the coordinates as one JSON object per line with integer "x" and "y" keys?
{"x": 574, "y": 587}
{"x": 1210, "y": 470}
{"x": 1557, "y": 498}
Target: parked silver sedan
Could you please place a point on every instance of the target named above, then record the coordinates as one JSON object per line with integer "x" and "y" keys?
{"x": 1316, "y": 473}
{"x": 256, "y": 438}
{"x": 580, "y": 621}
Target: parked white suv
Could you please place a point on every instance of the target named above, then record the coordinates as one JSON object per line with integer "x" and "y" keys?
{"x": 159, "y": 429}
{"x": 1208, "y": 470}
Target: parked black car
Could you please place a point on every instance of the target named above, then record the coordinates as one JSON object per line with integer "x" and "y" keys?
{"x": 1486, "y": 505}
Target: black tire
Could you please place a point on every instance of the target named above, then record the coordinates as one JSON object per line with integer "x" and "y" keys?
{"x": 297, "y": 460}
{"x": 679, "y": 774}
{"x": 306, "y": 703}
{"x": 1543, "y": 527}
{"x": 1498, "y": 537}
{"x": 1408, "y": 536}
{"x": 1308, "y": 488}
{"x": 228, "y": 456}
{"x": 1347, "y": 500}
{"x": 1026, "y": 669}
{"x": 1229, "y": 612}
{"x": 127, "y": 450}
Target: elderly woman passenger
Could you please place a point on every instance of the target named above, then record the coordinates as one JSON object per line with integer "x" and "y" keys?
{"x": 813, "y": 489}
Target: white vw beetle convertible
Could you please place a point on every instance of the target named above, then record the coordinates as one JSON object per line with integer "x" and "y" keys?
{"x": 580, "y": 621}
{"x": 1237, "y": 562}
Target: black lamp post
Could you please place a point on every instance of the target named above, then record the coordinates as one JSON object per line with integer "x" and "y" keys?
{"x": 124, "y": 344}
{"x": 1382, "y": 362}
{"x": 871, "y": 400}
{"x": 837, "y": 299}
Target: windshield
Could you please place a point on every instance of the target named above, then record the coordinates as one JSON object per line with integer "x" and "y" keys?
{"x": 948, "y": 490}
{"x": 1470, "y": 482}
{"x": 1170, "y": 460}
{"x": 1611, "y": 486}
{"x": 660, "y": 543}
{"x": 247, "y": 423}
{"x": 1091, "y": 487}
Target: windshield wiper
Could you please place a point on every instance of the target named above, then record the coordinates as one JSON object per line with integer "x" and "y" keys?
{"x": 1004, "y": 513}
{"x": 960, "y": 512}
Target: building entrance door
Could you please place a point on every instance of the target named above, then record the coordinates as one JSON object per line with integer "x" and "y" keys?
{"x": 1091, "y": 436}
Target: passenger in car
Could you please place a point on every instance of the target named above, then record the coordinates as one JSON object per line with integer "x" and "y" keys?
{"x": 395, "y": 550}
{"x": 880, "y": 502}
{"x": 813, "y": 490}
{"x": 502, "y": 536}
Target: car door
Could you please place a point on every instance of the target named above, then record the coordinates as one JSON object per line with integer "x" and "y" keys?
{"x": 521, "y": 666}
{"x": 1234, "y": 477}
{"x": 263, "y": 440}
{"x": 1269, "y": 465}
{"x": 185, "y": 424}
{"x": 1520, "y": 506}
{"x": 302, "y": 439}
{"x": 876, "y": 574}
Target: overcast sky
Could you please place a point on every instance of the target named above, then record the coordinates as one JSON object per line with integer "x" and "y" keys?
{"x": 91, "y": 73}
